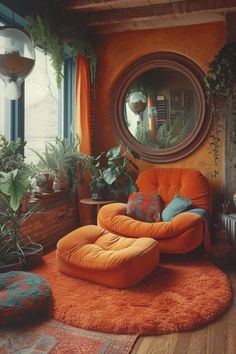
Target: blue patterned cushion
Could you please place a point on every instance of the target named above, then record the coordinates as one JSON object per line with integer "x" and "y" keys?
{"x": 145, "y": 206}
{"x": 22, "y": 295}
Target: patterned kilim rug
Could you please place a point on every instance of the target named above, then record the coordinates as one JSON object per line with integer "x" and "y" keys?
{"x": 54, "y": 337}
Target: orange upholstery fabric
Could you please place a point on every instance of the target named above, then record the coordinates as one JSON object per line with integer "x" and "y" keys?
{"x": 167, "y": 182}
{"x": 90, "y": 253}
{"x": 186, "y": 231}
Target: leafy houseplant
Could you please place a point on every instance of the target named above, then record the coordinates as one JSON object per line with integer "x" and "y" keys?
{"x": 13, "y": 186}
{"x": 61, "y": 159}
{"x": 111, "y": 174}
{"x": 44, "y": 182}
{"x": 59, "y": 34}
{"x": 11, "y": 155}
{"x": 221, "y": 82}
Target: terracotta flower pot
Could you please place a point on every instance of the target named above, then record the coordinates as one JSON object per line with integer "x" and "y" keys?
{"x": 46, "y": 185}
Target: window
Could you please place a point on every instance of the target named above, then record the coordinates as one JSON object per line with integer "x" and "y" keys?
{"x": 42, "y": 106}
{"x": 4, "y": 112}
{"x": 4, "y": 109}
{"x": 42, "y": 112}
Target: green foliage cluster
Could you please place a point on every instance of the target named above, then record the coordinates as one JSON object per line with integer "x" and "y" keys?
{"x": 220, "y": 81}
{"x": 215, "y": 138}
{"x": 61, "y": 158}
{"x": 59, "y": 35}
{"x": 221, "y": 77}
{"x": 233, "y": 131}
{"x": 41, "y": 180}
{"x": 15, "y": 181}
{"x": 11, "y": 155}
{"x": 114, "y": 171}
{"x": 13, "y": 187}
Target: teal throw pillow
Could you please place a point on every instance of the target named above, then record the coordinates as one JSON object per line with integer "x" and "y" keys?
{"x": 176, "y": 206}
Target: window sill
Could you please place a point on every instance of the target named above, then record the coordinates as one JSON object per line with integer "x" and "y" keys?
{"x": 49, "y": 200}
{"x": 52, "y": 195}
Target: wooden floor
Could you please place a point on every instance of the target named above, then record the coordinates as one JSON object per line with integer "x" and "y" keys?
{"x": 219, "y": 337}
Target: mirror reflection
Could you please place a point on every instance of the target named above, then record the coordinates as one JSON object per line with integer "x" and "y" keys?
{"x": 160, "y": 108}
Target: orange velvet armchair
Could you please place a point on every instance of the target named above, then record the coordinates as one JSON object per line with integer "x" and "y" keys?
{"x": 185, "y": 231}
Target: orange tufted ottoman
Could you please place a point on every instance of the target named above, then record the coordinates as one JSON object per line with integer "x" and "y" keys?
{"x": 93, "y": 254}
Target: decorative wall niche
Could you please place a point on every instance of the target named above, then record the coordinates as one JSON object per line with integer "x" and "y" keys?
{"x": 158, "y": 107}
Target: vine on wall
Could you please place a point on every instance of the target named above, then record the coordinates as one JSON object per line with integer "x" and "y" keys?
{"x": 233, "y": 130}
{"x": 215, "y": 137}
{"x": 59, "y": 35}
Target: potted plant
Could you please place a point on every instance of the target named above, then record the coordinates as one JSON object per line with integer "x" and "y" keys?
{"x": 14, "y": 246}
{"x": 44, "y": 182}
{"x": 11, "y": 157}
{"x": 112, "y": 174}
{"x": 61, "y": 160}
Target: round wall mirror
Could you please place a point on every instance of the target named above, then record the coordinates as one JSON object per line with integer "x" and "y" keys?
{"x": 159, "y": 108}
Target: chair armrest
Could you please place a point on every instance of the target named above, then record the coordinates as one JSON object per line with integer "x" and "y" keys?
{"x": 113, "y": 218}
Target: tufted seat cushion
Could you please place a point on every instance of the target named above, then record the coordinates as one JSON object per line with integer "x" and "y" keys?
{"x": 23, "y": 296}
{"x": 168, "y": 182}
{"x": 90, "y": 253}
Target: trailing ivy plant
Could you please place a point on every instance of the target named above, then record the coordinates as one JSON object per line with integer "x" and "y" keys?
{"x": 59, "y": 35}
{"x": 233, "y": 130}
{"x": 221, "y": 82}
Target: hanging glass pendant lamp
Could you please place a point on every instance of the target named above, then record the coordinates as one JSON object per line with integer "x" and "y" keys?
{"x": 17, "y": 59}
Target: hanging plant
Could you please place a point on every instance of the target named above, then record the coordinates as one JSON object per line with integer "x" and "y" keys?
{"x": 57, "y": 33}
{"x": 221, "y": 82}
{"x": 233, "y": 131}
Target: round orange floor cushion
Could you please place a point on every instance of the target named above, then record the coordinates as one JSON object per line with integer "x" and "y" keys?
{"x": 93, "y": 254}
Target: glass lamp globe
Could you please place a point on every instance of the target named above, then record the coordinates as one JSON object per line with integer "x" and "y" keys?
{"x": 137, "y": 102}
{"x": 17, "y": 59}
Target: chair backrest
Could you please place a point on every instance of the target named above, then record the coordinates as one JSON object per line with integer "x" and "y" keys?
{"x": 168, "y": 182}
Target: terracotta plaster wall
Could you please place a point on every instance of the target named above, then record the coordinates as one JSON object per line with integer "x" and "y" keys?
{"x": 116, "y": 51}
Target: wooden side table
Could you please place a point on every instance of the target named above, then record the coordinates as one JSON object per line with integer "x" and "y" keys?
{"x": 229, "y": 225}
{"x": 97, "y": 204}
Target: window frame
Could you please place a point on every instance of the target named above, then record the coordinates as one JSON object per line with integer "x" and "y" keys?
{"x": 17, "y": 107}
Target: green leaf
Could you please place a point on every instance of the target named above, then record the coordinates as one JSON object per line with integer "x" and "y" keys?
{"x": 14, "y": 184}
{"x": 110, "y": 175}
{"x": 115, "y": 152}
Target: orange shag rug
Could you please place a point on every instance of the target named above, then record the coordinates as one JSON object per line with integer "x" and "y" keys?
{"x": 178, "y": 296}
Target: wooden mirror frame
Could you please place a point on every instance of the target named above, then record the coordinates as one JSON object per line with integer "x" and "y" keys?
{"x": 133, "y": 71}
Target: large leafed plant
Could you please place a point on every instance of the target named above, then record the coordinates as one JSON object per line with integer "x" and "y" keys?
{"x": 112, "y": 172}
{"x": 13, "y": 186}
{"x": 221, "y": 83}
